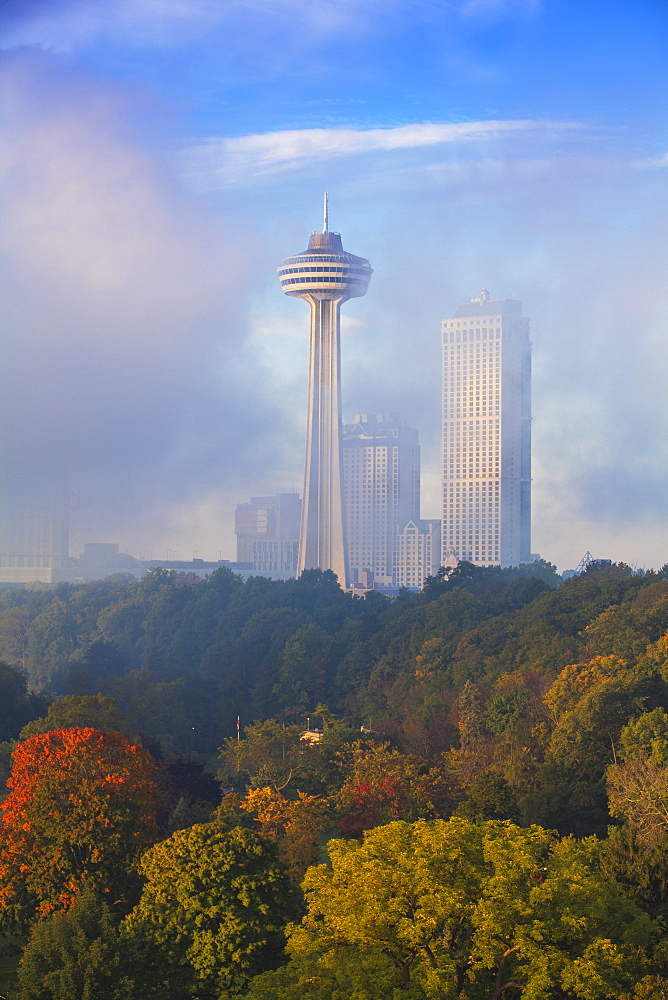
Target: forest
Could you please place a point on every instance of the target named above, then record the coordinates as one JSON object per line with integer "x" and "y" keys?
{"x": 274, "y": 789}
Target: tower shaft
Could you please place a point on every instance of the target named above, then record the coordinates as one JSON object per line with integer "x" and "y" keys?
{"x": 322, "y": 536}
{"x": 325, "y": 275}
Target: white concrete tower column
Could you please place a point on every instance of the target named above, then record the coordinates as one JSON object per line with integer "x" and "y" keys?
{"x": 325, "y": 275}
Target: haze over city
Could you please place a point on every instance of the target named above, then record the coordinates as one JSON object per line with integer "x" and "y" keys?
{"x": 163, "y": 158}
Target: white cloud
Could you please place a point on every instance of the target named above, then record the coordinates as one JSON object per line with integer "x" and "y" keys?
{"x": 73, "y": 25}
{"x": 229, "y": 162}
{"x": 651, "y": 162}
{"x": 150, "y": 333}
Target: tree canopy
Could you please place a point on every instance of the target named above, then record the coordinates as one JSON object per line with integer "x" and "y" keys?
{"x": 80, "y": 811}
{"x": 215, "y": 901}
{"x": 485, "y": 713}
{"x": 452, "y": 909}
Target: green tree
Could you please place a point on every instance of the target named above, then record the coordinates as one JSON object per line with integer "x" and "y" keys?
{"x": 16, "y": 705}
{"x": 304, "y": 672}
{"x": 584, "y": 744}
{"x": 216, "y": 902}
{"x": 640, "y": 869}
{"x": 637, "y": 783}
{"x": 52, "y": 638}
{"x": 453, "y": 613}
{"x": 649, "y": 988}
{"x": 270, "y": 754}
{"x": 547, "y": 919}
{"x": 95, "y": 660}
{"x": 490, "y": 797}
{"x": 154, "y": 706}
{"x": 449, "y": 910}
{"x": 505, "y": 709}
{"x": 76, "y": 954}
{"x": 14, "y": 626}
{"x": 84, "y": 711}
{"x": 626, "y": 629}
{"x": 473, "y": 754}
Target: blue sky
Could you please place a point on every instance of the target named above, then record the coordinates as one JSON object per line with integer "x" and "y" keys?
{"x": 162, "y": 156}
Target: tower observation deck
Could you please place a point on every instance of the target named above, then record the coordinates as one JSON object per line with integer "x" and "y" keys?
{"x": 325, "y": 275}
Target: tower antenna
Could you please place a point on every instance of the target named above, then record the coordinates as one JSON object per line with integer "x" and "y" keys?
{"x": 325, "y": 213}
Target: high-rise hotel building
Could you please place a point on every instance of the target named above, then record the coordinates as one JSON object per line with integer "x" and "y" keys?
{"x": 487, "y": 433}
{"x": 381, "y": 490}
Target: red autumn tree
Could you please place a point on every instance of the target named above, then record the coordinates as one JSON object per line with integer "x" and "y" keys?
{"x": 80, "y": 811}
{"x": 382, "y": 785}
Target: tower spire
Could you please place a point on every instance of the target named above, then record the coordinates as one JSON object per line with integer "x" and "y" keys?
{"x": 325, "y": 213}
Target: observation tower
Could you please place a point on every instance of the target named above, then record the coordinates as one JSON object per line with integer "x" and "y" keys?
{"x": 325, "y": 275}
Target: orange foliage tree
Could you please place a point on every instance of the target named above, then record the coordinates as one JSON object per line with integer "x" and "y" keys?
{"x": 294, "y": 824}
{"x": 80, "y": 811}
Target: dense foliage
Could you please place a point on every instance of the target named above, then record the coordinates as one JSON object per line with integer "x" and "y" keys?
{"x": 497, "y": 744}
{"x": 80, "y": 811}
{"x": 215, "y": 901}
{"x": 452, "y": 909}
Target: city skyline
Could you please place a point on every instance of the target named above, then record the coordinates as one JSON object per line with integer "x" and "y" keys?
{"x": 161, "y": 158}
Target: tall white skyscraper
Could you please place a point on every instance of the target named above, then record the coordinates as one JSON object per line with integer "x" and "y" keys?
{"x": 487, "y": 433}
{"x": 381, "y": 488}
{"x": 325, "y": 275}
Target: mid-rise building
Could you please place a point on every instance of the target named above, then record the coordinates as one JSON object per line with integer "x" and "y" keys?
{"x": 267, "y": 531}
{"x": 381, "y": 477}
{"x": 34, "y": 526}
{"x": 487, "y": 433}
{"x": 418, "y": 552}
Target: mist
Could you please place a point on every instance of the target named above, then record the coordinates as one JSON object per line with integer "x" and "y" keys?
{"x": 149, "y": 351}
{"x": 127, "y": 354}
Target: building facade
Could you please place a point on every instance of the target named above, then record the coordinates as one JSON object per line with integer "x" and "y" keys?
{"x": 487, "y": 433}
{"x": 381, "y": 477}
{"x": 267, "y": 530}
{"x": 418, "y": 552}
{"x": 34, "y": 527}
{"x": 325, "y": 275}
